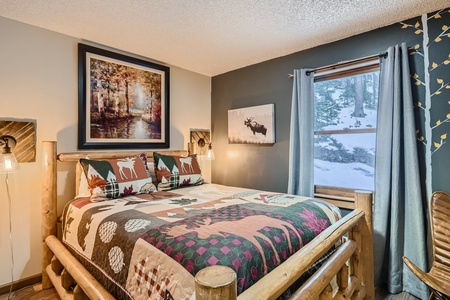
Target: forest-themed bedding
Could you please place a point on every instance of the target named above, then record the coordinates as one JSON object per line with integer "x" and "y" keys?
{"x": 152, "y": 245}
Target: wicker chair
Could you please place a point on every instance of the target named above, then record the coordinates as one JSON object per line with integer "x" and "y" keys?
{"x": 438, "y": 278}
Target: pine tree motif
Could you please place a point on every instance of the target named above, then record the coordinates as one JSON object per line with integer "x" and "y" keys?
{"x": 134, "y": 225}
{"x": 115, "y": 256}
{"x": 106, "y": 231}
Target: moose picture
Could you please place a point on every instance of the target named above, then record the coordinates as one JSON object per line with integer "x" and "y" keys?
{"x": 255, "y": 127}
{"x": 251, "y": 125}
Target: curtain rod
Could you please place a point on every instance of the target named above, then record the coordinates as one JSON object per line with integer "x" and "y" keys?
{"x": 343, "y": 63}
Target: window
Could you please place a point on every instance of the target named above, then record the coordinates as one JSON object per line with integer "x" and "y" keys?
{"x": 345, "y": 114}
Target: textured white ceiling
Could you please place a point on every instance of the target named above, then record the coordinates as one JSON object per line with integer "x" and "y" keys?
{"x": 213, "y": 37}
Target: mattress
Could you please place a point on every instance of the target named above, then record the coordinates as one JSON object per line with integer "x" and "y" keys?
{"x": 150, "y": 246}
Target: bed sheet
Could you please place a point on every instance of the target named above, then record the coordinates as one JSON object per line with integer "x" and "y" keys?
{"x": 150, "y": 246}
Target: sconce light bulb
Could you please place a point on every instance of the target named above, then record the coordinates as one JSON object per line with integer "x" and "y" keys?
{"x": 8, "y": 161}
{"x": 8, "y": 164}
{"x": 210, "y": 153}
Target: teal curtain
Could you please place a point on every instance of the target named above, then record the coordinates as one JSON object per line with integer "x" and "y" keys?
{"x": 399, "y": 213}
{"x": 301, "y": 141}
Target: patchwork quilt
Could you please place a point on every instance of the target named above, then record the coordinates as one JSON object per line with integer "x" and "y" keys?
{"x": 150, "y": 246}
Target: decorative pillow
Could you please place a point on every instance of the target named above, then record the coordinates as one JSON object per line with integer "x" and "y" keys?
{"x": 176, "y": 171}
{"x": 114, "y": 178}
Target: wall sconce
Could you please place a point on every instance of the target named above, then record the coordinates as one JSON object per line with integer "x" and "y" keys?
{"x": 199, "y": 140}
{"x": 8, "y": 162}
{"x": 209, "y": 153}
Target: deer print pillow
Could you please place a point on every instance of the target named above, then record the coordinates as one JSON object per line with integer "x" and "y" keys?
{"x": 114, "y": 178}
{"x": 176, "y": 171}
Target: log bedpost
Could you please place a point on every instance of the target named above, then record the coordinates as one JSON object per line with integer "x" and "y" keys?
{"x": 216, "y": 283}
{"x": 48, "y": 209}
{"x": 363, "y": 201}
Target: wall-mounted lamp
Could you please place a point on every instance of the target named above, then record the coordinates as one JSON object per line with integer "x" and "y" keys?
{"x": 199, "y": 139}
{"x": 8, "y": 162}
{"x": 209, "y": 153}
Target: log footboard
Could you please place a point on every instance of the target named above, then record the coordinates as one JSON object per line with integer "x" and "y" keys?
{"x": 351, "y": 264}
{"x": 70, "y": 279}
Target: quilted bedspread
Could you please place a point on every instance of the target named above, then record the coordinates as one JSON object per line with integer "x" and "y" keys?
{"x": 151, "y": 246}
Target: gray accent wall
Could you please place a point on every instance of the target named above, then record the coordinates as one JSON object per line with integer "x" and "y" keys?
{"x": 266, "y": 167}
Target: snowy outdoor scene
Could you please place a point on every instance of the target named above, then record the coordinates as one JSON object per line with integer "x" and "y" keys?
{"x": 344, "y": 122}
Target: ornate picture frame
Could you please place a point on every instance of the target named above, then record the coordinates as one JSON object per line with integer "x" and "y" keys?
{"x": 123, "y": 101}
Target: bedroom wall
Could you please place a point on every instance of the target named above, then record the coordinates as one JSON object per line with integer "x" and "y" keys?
{"x": 38, "y": 81}
{"x": 266, "y": 167}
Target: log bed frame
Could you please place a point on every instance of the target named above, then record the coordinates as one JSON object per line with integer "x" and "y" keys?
{"x": 351, "y": 265}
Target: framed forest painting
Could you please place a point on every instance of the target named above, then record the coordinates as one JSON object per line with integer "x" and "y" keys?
{"x": 252, "y": 125}
{"x": 123, "y": 102}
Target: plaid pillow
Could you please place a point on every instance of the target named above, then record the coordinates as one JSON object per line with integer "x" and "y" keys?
{"x": 114, "y": 178}
{"x": 176, "y": 171}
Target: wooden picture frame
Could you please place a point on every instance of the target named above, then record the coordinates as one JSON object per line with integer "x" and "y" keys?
{"x": 252, "y": 125}
{"x": 123, "y": 101}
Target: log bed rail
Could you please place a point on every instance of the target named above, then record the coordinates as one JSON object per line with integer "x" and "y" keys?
{"x": 351, "y": 265}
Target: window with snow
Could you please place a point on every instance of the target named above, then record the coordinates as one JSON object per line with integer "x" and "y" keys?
{"x": 345, "y": 115}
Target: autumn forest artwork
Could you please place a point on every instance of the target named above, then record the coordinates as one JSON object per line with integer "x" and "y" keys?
{"x": 124, "y": 102}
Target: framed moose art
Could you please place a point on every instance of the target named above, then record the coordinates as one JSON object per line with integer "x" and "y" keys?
{"x": 252, "y": 125}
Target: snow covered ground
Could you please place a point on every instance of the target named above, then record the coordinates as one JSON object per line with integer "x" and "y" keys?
{"x": 349, "y": 175}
